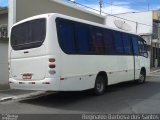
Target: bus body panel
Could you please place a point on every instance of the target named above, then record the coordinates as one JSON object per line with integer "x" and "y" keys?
{"x": 77, "y": 83}
{"x": 35, "y": 61}
{"x": 30, "y": 61}
{"x": 92, "y": 65}
{"x": 137, "y": 66}
{"x": 72, "y": 72}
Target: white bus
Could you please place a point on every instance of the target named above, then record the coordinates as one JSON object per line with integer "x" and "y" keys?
{"x": 54, "y": 52}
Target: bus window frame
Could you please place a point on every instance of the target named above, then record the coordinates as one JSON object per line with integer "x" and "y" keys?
{"x": 143, "y": 42}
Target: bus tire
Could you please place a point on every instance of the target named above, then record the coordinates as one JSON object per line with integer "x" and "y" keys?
{"x": 100, "y": 85}
{"x": 142, "y": 77}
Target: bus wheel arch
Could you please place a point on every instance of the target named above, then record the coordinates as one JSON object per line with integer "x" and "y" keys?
{"x": 101, "y": 82}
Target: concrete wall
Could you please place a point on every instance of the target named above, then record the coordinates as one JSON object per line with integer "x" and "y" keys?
{"x": 4, "y": 75}
{"x": 3, "y": 19}
{"x": 28, "y": 8}
{"x": 140, "y": 17}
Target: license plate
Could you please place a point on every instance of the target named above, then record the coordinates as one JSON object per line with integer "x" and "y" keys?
{"x": 27, "y": 76}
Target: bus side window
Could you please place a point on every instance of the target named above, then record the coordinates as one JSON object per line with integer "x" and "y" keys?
{"x": 66, "y": 36}
{"x": 97, "y": 41}
{"x": 109, "y": 42}
{"x": 145, "y": 49}
{"x": 127, "y": 44}
{"x": 142, "y": 47}
{"x": 82, "y": 38}
{"x": 135, "y": 45}
{"x": 118, "y": 43}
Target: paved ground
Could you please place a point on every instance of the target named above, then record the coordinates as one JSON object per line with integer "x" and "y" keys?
{"x": 11, "y": 93}
{"x": 121, "y": 98}
{"x": 156, "y": 73}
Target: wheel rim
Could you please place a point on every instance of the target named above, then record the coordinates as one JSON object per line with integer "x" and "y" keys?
{"x": 141, "y": 77}
{"x": 100, "y": 86}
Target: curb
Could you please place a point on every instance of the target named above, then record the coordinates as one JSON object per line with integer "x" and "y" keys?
{"x": 155, "y": 71}
{"x": 5, "y": 99}
{"x": 26, "y": 96}
{"x": 153, "y": 75}
{"x": 30, "y": 95}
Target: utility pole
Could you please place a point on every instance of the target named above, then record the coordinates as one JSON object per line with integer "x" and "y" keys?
{"x": 111, "y": 6}
{"x": 100, "y": 5}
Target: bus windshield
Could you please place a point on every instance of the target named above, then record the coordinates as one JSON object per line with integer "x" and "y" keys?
{"x": 28, "y": 35}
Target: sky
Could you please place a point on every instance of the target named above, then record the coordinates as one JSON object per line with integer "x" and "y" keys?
{"x": 3, "y": 3}
{"x": 122, "y": 6}
{"x": 118, "y": 6}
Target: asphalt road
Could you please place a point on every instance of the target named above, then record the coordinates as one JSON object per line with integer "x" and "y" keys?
{"x": 121, "y": 98}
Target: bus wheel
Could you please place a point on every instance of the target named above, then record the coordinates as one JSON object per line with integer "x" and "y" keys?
{"x": 142, "y": 77}
{"x": 100, "y": 85}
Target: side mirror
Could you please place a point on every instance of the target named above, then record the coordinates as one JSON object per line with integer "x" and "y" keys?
{"x": 145, "y": 54}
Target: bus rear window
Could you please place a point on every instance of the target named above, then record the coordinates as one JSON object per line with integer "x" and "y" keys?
{"x": 28, "y": 35}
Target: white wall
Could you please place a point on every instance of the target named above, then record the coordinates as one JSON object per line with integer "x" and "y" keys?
{"x": 142, "y": 17}
{"x": 21, "y": 9}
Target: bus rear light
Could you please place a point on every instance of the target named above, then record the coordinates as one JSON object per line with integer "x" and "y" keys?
{"x": 52, "y": 60}
{"x": 52, "y": 65}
